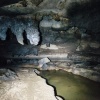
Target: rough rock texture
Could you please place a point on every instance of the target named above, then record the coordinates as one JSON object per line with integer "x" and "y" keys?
{"x": 18, "y": 26}
{"x": 79, "y": 69}
{"x": 72, "y": 25}
{"x": 83, "y": 13}
{"x": 51, "y": 29}
{"x": 25, "y": 86}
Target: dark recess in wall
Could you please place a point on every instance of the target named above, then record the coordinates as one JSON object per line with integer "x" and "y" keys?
{"x": 85, "y": 15}
{"x": 25, "y": 38}
{"x": 7, "y": 2}
{"x": 10, "y": 36}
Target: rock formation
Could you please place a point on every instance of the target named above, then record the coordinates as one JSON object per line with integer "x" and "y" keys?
{"x": 18, "y": 26}
{"x": 72, "y": 25}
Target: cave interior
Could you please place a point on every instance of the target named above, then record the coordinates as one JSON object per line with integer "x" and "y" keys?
{"x": 39, "y": 34}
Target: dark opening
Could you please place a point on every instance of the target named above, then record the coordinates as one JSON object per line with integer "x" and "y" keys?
{"x": 25, "y": 40}
{"x": 10, "y": 36}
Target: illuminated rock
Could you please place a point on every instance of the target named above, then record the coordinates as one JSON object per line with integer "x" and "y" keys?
{"x": 28, "y": 86}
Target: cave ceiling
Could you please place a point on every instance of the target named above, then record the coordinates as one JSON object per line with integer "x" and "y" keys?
{"x": 18, "y": 7}
{"x": 65, "y": 8}
{"x": 59, "y": 7}
{"x": 84, "y": 14}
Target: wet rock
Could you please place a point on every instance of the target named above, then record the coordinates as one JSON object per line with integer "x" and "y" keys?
{"x": 43, "y": 61}
{"x": 36, "y": 71}
{"x": 45, "y": 67}
{"x": 88, "y": 73}
{"x": 82, "y": 69}
{"x": 51, "y": 66}
{"x": 64, "y": 64}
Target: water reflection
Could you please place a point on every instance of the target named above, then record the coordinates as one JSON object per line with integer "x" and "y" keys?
{"x": 72, "y": 87}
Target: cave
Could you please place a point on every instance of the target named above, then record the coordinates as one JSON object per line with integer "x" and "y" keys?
{"x": 50, "y": 50}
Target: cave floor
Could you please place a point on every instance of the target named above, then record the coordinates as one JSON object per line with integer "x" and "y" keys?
{"x": 24, "y": 84}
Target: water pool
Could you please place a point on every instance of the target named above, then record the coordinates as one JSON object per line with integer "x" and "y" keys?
{"x": 72, "y": 87}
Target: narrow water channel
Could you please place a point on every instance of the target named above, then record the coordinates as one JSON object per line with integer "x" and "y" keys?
{"x": 72, "y": 87}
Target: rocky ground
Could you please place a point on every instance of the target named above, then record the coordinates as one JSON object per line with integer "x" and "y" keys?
{"x": 24, "y": 84}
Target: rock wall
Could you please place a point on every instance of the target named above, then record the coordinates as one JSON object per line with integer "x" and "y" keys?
{"x": 83, "y": 13}
{"x": 72, "y": 25}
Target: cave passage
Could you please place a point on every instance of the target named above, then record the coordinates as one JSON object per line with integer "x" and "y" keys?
{"x": 58, "y": 40}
